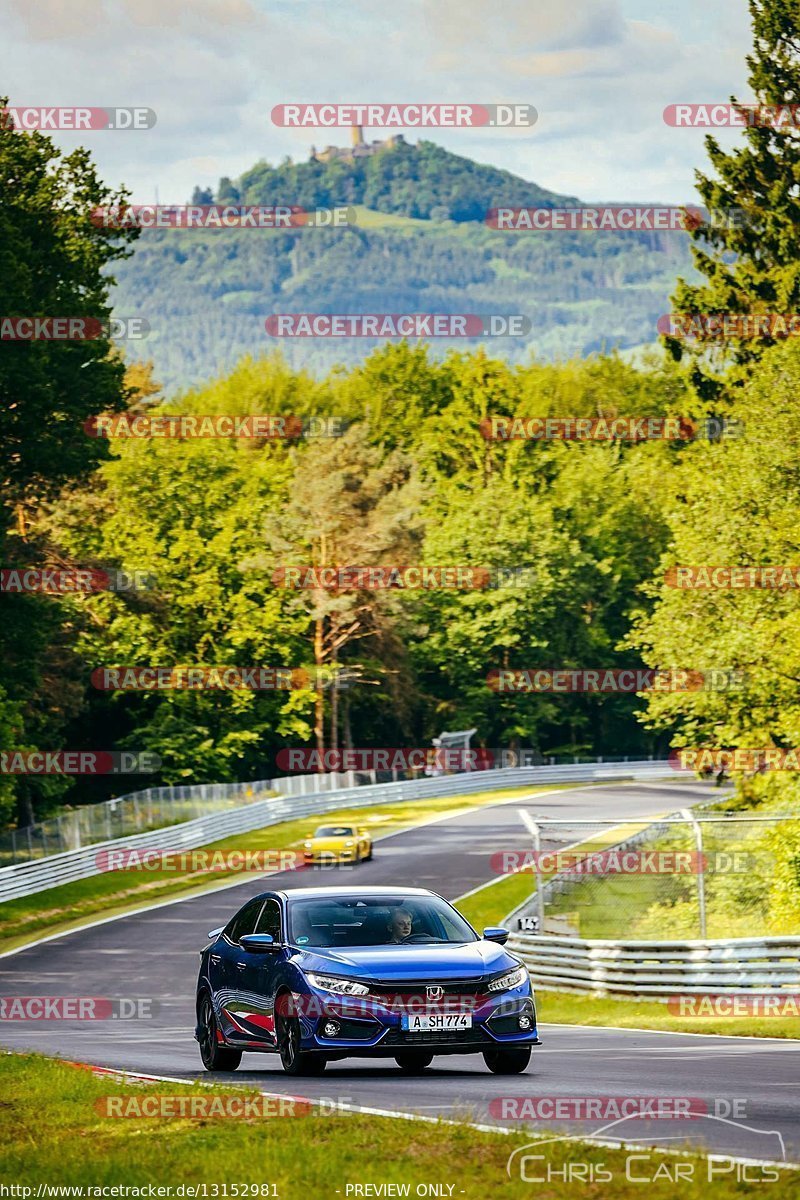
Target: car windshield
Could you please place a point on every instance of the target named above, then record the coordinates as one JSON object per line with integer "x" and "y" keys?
{"x": 334, "y": 831}
{"x": 375, "y": 921}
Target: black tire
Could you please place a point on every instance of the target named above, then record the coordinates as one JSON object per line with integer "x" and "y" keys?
{"x": 294, "y": 1060}
{"x": 215, "y": 1056}
{"x": 507, "y": 1061}
{"x": 412, "y": 1062}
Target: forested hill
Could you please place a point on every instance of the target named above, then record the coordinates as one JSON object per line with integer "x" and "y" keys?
{"x": 419, "y": 245}
{"x": 422, "y": 180}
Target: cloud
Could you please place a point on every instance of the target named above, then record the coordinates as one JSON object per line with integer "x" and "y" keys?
{"x": 522, "y": 26}
{"x": 51, "y": 20}
{"x": 599, "y": 72}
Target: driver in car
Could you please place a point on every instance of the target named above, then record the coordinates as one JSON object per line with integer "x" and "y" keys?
{"x": 400, "y": 925}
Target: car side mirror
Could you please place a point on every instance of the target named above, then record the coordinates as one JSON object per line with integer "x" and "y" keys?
{"x": 497, "y": 934}
{"x": 259, "y": 943}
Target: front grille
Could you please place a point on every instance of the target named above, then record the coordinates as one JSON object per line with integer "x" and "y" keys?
{"x": 426, "y": 1037}
{"x": 453, "y": 987}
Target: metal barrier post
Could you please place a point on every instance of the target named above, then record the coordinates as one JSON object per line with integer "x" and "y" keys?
{"x": 701, "y": 878}
{"x": 533, "y": 828}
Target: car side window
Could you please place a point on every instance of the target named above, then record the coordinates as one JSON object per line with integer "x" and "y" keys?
{"x": 244, "y": 921}
{"x": 270, "y": 920}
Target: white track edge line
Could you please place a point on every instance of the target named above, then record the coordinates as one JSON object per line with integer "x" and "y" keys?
{"x": 399, "y": 1114}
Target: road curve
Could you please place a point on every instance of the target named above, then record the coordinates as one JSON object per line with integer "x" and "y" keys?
{"x": 745, "y": 1093}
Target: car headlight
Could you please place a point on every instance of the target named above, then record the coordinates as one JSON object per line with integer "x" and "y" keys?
{"x": 343, "y": 987}
{"x": 349, "y": 842}
{"x": 306, "y": 845}
{"x": 511, "y": 979}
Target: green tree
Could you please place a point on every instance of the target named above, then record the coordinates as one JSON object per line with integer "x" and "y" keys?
{"x": 54, "y": 262}
{"x": 749, "y": 249}
{"x": 735, "y": 503}
{"x": 350, "y": 504}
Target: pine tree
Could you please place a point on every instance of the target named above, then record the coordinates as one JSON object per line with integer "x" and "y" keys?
{"x": 748, "y": 249}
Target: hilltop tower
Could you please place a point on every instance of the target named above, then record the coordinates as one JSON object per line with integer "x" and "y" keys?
{"x": 358, "y": 148}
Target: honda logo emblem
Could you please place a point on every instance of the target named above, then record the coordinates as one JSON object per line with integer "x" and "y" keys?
{"x": 434, "y": 993}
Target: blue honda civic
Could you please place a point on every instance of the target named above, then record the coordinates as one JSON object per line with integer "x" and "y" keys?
{"x": 318, "y": 974}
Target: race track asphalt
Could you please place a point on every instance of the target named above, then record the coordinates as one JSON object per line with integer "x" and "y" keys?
{"x": 745, "y": 1092}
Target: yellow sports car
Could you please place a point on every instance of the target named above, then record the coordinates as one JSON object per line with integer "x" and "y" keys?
{"x": 337, "y": 843}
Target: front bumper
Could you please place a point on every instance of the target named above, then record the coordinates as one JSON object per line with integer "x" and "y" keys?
{"x": 329, "y": 857}
{"x": 367, "y": 1027}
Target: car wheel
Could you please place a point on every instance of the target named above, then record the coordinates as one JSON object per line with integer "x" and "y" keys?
{"x": 215, "y": 1056}
{"x": 296, "y": 1061}
{"x": 369, "y": 855}
{"x": 412, "y": 1062}
{"x": 507, "y": 1062}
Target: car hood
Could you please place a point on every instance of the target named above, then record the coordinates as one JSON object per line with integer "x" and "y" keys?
{"x": 330, "y": 843}
{"x": 397, "y": 964}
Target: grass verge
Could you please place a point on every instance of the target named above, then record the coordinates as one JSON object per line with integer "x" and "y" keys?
{"x": 53, "y": 1133}
{"x": 574, "y": 1008}
{"x": 491, "y": 905}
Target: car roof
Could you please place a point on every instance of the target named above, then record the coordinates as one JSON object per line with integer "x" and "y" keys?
{"x": 355, "y": 892}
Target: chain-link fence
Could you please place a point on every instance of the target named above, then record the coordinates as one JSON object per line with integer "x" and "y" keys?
{"x": 152, "y": 808}
{"x": 688, "y": 875}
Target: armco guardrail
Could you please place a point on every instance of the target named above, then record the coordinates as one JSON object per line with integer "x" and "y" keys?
{"x": 24, "y": 879}
{"x": 152, "y": 808}
{"x": 660, "y": 969}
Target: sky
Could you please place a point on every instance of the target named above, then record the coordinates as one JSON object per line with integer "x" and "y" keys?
{"x": 599, "y": 73}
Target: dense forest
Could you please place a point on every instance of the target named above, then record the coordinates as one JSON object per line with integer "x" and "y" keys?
{"x": 412, "y": 479}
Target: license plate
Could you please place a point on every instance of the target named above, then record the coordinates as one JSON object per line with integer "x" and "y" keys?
{"x": 435, "y": 1022}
